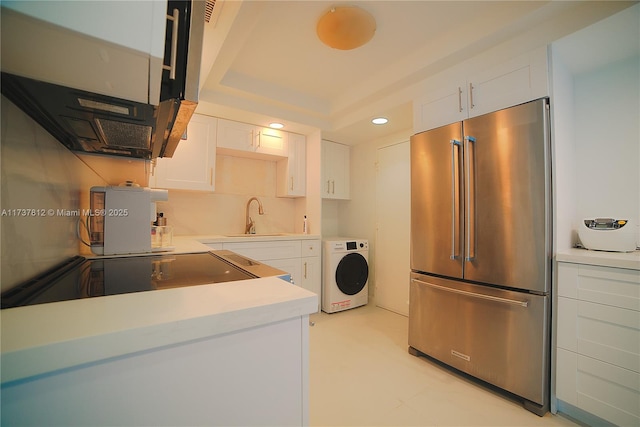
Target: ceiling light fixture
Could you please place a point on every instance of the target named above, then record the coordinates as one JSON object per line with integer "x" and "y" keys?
{"x": 276, "y": 125}
{"x": 346, "y": 27}
{"x": 379, "y": 121}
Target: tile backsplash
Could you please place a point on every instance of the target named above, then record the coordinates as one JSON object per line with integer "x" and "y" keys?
{"x": 223, "y": 212}
{"x": 43, "y": 186}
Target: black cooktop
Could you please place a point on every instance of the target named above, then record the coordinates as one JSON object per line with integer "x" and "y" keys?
{"x": 80, "y": 277}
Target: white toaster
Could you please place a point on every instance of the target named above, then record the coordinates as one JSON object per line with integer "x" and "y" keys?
{"x": 608, "y": 234}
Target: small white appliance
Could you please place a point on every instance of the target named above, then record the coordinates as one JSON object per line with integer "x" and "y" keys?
{"x": 345, "y": 274}
{"x": 608, "y": 234}
{"x": 120, "y": 219}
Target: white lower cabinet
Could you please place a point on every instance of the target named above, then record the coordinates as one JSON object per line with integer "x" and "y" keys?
{"x": 253, "y": 376}
{"x": 300, "y": 258}
{"x": 598, "y": 342}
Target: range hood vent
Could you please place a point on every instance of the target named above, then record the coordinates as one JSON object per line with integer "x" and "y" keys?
{"x": 209, "y": 10}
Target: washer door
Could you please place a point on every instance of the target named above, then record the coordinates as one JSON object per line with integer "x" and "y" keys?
{"x": 352, "y": 273}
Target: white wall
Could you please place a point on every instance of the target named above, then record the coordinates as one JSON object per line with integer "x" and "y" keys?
{"x": 357, "y": 216}
{"x": 596, "y": 116}
{"x": 41, "y": 174}
{"x": 563, "y": 158}
{"x": 223, "y": 212}
{"x": 607, "y": 141}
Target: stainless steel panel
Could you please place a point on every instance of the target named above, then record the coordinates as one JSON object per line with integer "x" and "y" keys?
{"x": 436, "y": 201}
{"x": 498, "y": 336}
{"x": 508, "y": 196}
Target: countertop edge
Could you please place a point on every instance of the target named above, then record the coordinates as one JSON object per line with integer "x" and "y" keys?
{"x": 212, "y": 238}
{"x": 627, "y": 260}
{"x": 39, "y": 340}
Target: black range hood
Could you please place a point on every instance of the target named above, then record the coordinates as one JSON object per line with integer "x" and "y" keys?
{"x": 90, "y": 122}
{"x": 94, "y": 123}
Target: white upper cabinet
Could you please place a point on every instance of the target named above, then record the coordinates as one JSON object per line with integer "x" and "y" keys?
{"x": 292, "y": 171}
{"x": 235, "y": 135}
{"x": 271, "y": 142}
{"x": 242, "y": 139}
{"x": 87, "y": 45}
{"x": 192, "y": 166}
{"x": 335, "y": 170}
{"x": 470, "y": 90}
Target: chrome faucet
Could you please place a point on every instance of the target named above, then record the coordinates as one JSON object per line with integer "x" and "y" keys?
{"x": 250, "y": 226}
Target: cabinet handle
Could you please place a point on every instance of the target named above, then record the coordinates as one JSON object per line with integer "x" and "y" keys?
{"x": 471, "y": 95}
{"x": 328, "y": 186}
{"x": 455, "y": 205}
{"x": 333, "y": 187}
{"x": 258, "y": 136}
{"x": 471, "y": 201}
{"x": 305, "y": 270}
{"x": 460, "y": 99}
{"x": 174, "y": 44}
{"x": 474, "y": 295}
{"x": 211, "y": 176}
{"x": 291, "y": 183}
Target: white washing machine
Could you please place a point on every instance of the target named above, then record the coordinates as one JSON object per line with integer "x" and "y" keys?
{"x": 345, "y": 274}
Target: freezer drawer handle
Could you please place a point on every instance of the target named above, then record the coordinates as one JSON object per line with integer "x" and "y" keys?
{"x": 472, "y": 294}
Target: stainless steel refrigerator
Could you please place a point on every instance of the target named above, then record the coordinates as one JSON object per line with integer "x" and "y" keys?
{"x": 481, "y": 249}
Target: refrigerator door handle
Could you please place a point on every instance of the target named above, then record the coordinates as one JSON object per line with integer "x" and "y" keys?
{"x": 455, "y": 197}
{"x": 470, "y": 188}
{"x": 474, "y": 295}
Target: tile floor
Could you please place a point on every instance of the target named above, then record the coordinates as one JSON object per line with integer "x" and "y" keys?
{"x": 362, "y": 375}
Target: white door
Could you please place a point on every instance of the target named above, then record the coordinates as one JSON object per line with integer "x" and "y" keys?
{"x": 393, "y": 184}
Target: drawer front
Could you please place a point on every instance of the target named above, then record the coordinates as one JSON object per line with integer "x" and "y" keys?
{"x": 602, "y": 389}
{"x": 310, "y": 248}
{"x": 479, "y": 330}
{"x": 599, "y": 331}
{"x": 262, "y": 251}
{"x": 618, "y": 287}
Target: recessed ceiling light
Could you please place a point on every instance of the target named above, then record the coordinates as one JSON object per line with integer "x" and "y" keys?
{"x": 379, "y": 120}
{"x": 276, "y": 125}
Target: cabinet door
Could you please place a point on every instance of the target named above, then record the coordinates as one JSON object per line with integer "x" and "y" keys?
{"x": 79, "y": 60}
{"x": 266, "y": 250}
{"x": 510, "y": 83}
{"x": 310, "y": 276}
{"x": 444, "y": 100}
{"x": 289, "y": 265}
{"x": 335, "y": 168}
{"x": 192, "y": 166}
{"x": 271, "y": 142}
{"x": 235, "y": 135}
{"x": 292, "y": 171}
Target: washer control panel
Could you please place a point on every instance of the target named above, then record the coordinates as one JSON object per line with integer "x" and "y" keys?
{"x": 349, "y": 245}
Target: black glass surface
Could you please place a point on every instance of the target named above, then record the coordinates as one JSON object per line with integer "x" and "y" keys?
{"x": 88, "y": 278}
{"x": 352, "y": 273}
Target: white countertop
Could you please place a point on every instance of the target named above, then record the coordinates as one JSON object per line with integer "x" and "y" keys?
{"x": 630, "y": 260}
{"x": 44, "y": 338}
{"x": 197, "y": 243}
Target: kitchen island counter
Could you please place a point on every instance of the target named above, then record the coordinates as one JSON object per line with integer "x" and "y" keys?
{"x": 42, "y": 339}
{"x": 198, "y": 355}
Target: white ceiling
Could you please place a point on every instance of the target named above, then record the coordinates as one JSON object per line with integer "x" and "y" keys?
{"x": 264, "y": 62}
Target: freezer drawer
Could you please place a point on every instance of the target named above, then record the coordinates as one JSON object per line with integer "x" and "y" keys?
{"x": 501, "y": 337}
